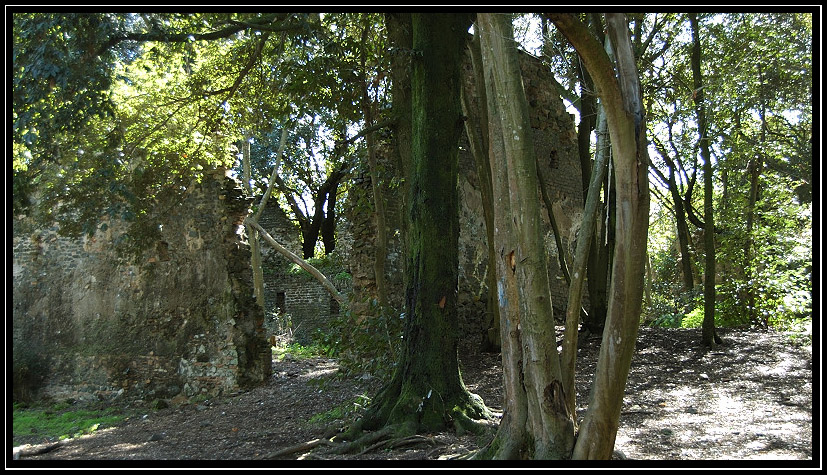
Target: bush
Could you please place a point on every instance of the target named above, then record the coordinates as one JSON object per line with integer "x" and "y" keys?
{"x": 693, "y": 319}
{"x": 29, "y": 367}
{"x": 365, "y": 343}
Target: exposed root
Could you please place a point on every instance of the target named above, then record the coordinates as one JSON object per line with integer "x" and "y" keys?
{"x": 400, "y": 442}
{"x": 304, "y": 446}
{"x": 370, "y": 438}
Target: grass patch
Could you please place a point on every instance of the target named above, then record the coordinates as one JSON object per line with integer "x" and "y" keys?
{"x": 59, "y": 422}
{"x": 341, "y": 412}
{"x": 298, "y": 351}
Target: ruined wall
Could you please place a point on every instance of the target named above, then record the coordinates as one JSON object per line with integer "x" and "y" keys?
{"x": 180, "y": 321}
{"x": 296, "y": 305}
{"x": 555, "y": 144}
{"x": 308, "y": 305}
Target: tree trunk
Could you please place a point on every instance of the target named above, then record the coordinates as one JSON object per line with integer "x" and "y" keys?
{"x": 709, "y": 336}
{"x": 683, "y": 232}
{"x": 602, "y": 248}
{"x": 426, "y": 392}
{"x": 252, "y": 234}
{"x": 381, "y": 242}
{"x": 537, "y": 423}
{"x": 400, "y": 37}
{"x": 680, "y": 213}
{"x": 624, "y": 113}
{"x": 575, "y": 296}
{"x": 474, "y": 106}
{"x": 328, "y": 230}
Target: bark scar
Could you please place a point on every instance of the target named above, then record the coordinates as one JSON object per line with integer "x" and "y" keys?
{"x": 555, "y": 398}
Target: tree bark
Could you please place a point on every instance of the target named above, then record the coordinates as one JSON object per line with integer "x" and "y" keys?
{"x": 252, "y": 234}
{"x": 400, "y": 37}
{"x": 602, "y": 248}
{"x": 581, "y": 256}
{"x": 709, "y": 336}
{"x": 537, "y": 423}
{"x": 426, "y": 392}
{"x": 381, "y": 242}
{"x": 624, "y": 113}
{"x": 474, "y": 106}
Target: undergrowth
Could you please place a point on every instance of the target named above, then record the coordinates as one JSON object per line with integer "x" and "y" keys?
{"x": 60, "y": 421}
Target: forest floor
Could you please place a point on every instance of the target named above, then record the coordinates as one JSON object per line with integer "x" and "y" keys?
{"x": 750, "y": 398}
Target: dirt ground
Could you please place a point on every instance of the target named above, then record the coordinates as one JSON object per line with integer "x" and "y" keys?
{"x": 749, "y": 399}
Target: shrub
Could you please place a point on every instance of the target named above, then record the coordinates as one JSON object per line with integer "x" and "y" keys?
{"x": 29, "y": 367}
{"x": 365, "y": 343}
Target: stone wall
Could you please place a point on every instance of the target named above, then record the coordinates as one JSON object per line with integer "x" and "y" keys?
{"x": 555, "y": 144}
{"x": 179, "y": 320}
{"x": 308, "y": 306}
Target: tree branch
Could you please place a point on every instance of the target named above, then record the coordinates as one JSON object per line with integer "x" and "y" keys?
{"x": 331, "y": 289}
{"x": 264, "y": 24}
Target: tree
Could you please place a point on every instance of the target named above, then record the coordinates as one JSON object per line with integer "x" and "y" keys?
{"x": 87, "y": 85}
{"x": 758, "y": 134}
{"x": 709, "y": 337}
{"x": 567, "y": 63}
{"x": 369, "y": 107}
{"x": 536, "y": 422}
{"x": 426, "y": 392}
{"x": 626, "y": 122}
{"x": 475, "y": 108}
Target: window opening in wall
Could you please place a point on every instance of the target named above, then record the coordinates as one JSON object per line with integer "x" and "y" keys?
{"x": 280, "y": 300}
{"x": 334, "y": 307}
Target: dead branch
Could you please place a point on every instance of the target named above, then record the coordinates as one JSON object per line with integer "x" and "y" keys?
{"x": 28, "y": 451}
{"x": 304, "y": 446}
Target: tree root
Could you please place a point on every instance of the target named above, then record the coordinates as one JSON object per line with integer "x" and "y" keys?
{"x": 400, "y": 442}
{"x": 389, "y": 437}
{"x": 325, "y": 439}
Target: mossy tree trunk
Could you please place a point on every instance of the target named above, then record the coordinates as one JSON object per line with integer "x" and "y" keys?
{"x": 400, "y": 38}
{"x": 426, "y": 392}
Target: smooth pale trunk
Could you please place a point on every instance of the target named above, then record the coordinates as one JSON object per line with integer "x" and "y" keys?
{"x": 534, "y": 379}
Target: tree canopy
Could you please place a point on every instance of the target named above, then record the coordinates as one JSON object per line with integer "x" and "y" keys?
{"x": 113, "y": 113}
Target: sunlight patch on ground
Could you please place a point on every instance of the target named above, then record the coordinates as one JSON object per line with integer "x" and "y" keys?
{"x": 128, "y": 447}
{"x": 726, "y": 404}
{"x": 320, "y": 372}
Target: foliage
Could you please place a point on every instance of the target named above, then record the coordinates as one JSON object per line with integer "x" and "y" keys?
{"x": 759, "y": 96}
{"x": 117, "y": 112}
{"x": 330, "y": 264}
{"x": 299, "y": 351}
{"x": 345, "y": 411}
{"x": 365, "y": 344}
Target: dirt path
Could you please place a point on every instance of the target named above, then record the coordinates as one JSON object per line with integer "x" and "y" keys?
{"x": 749, "y": 399}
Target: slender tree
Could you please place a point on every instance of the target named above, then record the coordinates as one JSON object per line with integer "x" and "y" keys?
{"x": 621, "y": 96}
{"x": 536, "y": 422}
{"x": 475, "y": 108}
{"x": 709, "y": 336}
